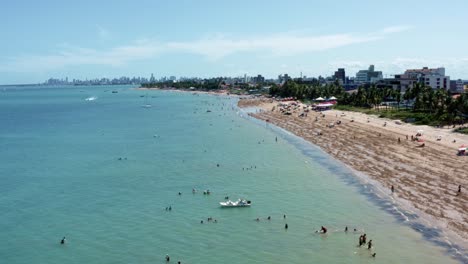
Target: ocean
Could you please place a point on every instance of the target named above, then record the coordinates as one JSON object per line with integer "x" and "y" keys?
{"x": 99, "y": 169}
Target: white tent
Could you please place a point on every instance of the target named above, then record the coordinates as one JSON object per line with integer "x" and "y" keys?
{"x": 319, "y": 99}
{"x": 332, "y": 98}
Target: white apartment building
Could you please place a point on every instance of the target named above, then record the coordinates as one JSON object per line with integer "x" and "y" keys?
{"x": 434, "y": 78}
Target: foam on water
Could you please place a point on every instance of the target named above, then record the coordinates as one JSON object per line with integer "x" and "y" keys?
{"x": 97, "y": 174}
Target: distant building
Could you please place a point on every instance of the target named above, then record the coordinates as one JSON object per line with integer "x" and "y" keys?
{"x": 368, "y": 76}
{"x": 283, "y": 78}
{"x": 340, "y": 75}
{"x": 457, "y": 86}
{"x": 259, "y": 79}
{"x": 434, "y": 78}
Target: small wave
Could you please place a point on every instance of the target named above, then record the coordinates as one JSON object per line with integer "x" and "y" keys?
{"x": 92, "y": 98}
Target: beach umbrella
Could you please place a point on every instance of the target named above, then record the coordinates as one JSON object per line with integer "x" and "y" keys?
{"x": 462, "y": 146}
{"x": 319, "y": 99}
{"x": 420, "y": 131}
{"x": 461, "y": 149}
{"x": 420, "y": 140}
{"x": 332, "y": 98}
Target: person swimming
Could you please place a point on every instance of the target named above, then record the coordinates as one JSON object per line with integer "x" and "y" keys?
{"x": 373, "y": 255}
{"x": 346, "y": 229}
{"x": 323, "y": 230}
{"x": 63, "y": 241}
{"x": 286, "y": 226}
{"x": 269, "y": 218}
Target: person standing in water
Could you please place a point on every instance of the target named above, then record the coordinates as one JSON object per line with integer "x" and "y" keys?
{"x": 369, "y": 245}
{"x": 62, "y": 241}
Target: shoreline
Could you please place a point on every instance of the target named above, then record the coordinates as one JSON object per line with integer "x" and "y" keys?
{"x": 381, "y": 163}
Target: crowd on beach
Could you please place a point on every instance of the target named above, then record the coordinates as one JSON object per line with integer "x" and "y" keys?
{"x": 422, "y": 167}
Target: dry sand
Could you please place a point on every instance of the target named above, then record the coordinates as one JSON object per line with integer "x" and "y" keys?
{"x": 426, "y": 178}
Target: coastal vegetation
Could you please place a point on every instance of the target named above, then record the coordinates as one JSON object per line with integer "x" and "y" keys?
{"x": 420, "y": 104}
{"x": 206, "y": 84}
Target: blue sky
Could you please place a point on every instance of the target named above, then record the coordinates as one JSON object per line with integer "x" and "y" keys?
{"x": 89, "y": 39}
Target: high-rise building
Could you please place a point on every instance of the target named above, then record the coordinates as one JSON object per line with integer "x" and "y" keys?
{"x": 368, "y": 76}
{"x": 340, "y": 75}
{"x": 259, "y": 79}
{"x": 283, "y": 78}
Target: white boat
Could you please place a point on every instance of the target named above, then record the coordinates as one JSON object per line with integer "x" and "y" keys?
{"x": 238, "y": 203}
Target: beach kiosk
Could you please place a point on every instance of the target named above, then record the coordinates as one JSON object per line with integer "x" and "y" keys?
{"x": 462, "y": 150}
{"x": 322, "y": 107}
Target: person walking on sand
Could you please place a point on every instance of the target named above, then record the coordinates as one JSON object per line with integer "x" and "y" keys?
{"x": 393, "y": 189}
{"x": 459, "y": 190}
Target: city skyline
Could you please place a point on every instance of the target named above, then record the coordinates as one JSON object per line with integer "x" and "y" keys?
{"x": 209, "y": 39}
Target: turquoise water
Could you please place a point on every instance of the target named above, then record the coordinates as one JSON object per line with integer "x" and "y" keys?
{"x": 61, "y": 176}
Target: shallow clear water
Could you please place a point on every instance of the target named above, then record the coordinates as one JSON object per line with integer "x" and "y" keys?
{"x": 61, "y": 176}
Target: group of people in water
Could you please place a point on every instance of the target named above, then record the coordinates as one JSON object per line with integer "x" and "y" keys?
{"x": 362, "y": 238}
{"x": 209, "y": 219}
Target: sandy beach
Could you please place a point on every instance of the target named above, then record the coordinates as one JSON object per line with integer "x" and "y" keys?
{"x": 425, "y": 178}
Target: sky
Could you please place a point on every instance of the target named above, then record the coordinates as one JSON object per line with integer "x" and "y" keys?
{"x": 208, "y": 38}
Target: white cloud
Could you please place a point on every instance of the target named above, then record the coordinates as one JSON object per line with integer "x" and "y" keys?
{"x": 395, "y": 29}
{"x": 212, "y": 48}
{"x": 102, "y": 32}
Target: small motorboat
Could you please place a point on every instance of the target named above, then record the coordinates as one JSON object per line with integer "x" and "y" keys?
{"x": 238, "y": 203}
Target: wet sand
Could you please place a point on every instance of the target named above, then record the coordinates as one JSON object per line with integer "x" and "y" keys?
{"x": 425, "y": 178}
